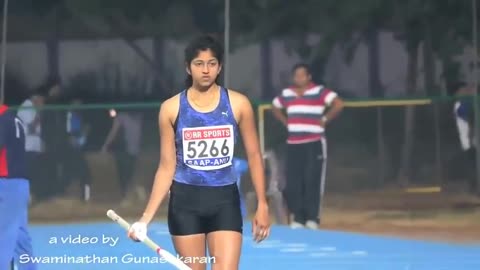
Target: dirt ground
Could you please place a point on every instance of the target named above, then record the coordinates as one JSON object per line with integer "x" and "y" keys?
{"x": 453, "y": 217}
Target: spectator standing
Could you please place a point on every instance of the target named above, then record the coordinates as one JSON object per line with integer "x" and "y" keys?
{"x": 76, "y": 165}
{"x": 29, "y": 114}
{"x": 55, "y": 137}
{"x": 124, "y": 140}
{"x": 464, "y": 118}
{"x": 309, "y": 108}
{"x": 15, "y": 239}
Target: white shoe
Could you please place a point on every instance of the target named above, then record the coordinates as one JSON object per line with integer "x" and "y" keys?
{"x": 296, "y": 225}
{"x": 311, "y": 225}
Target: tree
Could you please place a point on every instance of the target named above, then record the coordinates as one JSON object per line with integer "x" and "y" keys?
{"x": 344, "y": 22}
{"x": 131, "y": 20}
{"x": 441, "y": 28}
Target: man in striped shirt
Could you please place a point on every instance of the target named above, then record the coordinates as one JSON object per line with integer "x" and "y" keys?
{"x": 309, "y": 108}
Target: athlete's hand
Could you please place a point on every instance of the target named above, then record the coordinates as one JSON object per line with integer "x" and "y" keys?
{"x": 261, "y": 223}
{"x": 138, "y": 231}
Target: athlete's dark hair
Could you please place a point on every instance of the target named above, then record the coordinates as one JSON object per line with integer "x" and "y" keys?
{"x": 198, "y": 44}
{"x": 301, "y": 65}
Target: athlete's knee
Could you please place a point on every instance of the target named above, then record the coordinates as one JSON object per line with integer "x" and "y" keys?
{"x": 222, "y": 263}
{"x": 196, "y": 265}
{"x": 192, "y": 260}
{"x": 225, "y": 256}
{"x": 224, "y": 266}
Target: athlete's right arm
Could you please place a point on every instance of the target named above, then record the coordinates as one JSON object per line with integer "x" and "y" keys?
{"x": 166, "y": 167}
{"x": 277, "y": 110}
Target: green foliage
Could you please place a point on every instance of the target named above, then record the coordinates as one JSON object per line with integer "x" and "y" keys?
{"x": 337, "y": 22}
{"x": 40, "y": 8}
{"x": 151, "y": 17}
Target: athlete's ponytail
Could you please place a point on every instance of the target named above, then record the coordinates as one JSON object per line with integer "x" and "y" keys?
{"x": 188, "y": 81}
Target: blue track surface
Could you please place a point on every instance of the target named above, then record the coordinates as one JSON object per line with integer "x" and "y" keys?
{"x": 285, "y": 249}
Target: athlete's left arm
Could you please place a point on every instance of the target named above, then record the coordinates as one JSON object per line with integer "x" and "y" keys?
{"x": 335, "y": 104}
{"x": 248, "y": 130}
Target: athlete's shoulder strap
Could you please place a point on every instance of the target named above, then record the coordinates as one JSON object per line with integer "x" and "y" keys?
{"x": 225, "y": 94}
{"x": 181, "y": 97}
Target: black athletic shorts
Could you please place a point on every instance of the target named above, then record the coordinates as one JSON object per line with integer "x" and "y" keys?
{"x": 202, "y": 209}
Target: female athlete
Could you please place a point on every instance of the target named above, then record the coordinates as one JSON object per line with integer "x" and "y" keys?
{"x": 199, "y": 128}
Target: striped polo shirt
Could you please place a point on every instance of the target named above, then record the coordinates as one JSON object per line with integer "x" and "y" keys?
{"x": 305, "y": 112}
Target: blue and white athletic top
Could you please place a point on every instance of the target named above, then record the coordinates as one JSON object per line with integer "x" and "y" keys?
{"x": 205, "y": 143}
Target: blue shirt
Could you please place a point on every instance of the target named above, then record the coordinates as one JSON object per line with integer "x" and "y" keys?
{"x": 12, "y": 145}
{"x": 74, "y": 123}
{"x": 205, "y": 143}
{"x": 74, "y": 129}
{"x": 463, "y": 109}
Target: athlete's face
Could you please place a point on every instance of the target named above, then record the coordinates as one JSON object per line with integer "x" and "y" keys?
{"x": 204, "y": 68}
{"x": 301, "y": 77}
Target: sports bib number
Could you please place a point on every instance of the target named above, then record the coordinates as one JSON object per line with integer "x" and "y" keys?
{"x": 208, "y": 148}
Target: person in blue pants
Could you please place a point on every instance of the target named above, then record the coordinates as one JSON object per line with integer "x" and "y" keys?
{"x": 241, "y": 166}
{"x": 15, "y": 241}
